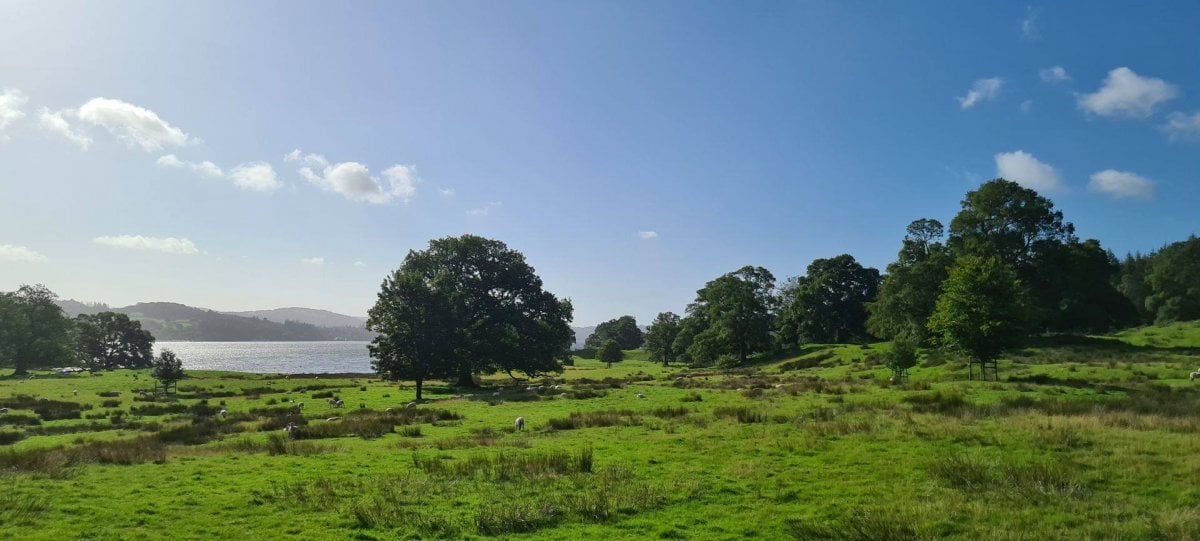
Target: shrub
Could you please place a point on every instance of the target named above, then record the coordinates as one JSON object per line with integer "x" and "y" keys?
{"x": 109, "y": 394}
{"x": 111, "y": 404}
{"x": 742, "y": 414}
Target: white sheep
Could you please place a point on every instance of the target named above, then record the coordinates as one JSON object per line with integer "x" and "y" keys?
{"x": 3, "y": 411}
{"x": 339, "y": 404}
{"x": 532, "y": 389}
{"x": 1195, "y": 375}
{"x": 497, "y": 393}
{"x": 519, "y": 424}
{"x": 389, "y": 410}
{"x": 410, "y": 405}
{"x": 223, "y": 413}
{"x": 641, "y": 396}
{"x": 331, "y": 419}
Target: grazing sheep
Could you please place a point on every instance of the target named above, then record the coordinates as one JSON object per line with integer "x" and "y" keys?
{"x": 532, "y": 389}
{"x": 339, "y": 404}
{"x": 389, "y": 410}
{"x": 641, "y": 396}
{"x": 1195, "y": 375}
{"x": 300, "y": 405}
{"x": 410, "y": 405}
{"x": 519, "y": 424}
{"x": 290, "y": 427}
{"x": 331, "y": 419}
{"x": 223, "y": 413}
{"x": 3, "y": 411}
{"x": 497, "y": 393}
{"x": 557, "y": 387}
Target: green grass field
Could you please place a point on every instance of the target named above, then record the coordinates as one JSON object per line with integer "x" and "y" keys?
{"x": 1085, "y": 438}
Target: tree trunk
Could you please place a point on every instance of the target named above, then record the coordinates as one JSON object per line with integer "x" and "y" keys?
{"x": 465, "y": 379}
{"x": 419, "y": 384}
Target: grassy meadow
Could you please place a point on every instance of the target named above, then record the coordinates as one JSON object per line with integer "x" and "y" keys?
{"x": 1084, "y": 437}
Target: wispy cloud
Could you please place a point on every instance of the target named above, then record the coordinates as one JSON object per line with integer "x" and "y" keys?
{"x": 55, "y": 122}
{"x": 982, "y": 90}
{"x": 446, "y": 192}
{"x": 1022, "y": 168}
{"x": 360, "y": 265}
{"x": 166, "y": 245}
{"x": 1127, "y": 94}
{"x": 255, "y": 177}
{"x": 11, "y": 103}
{"x": 137, "y": 126}
{"x": 1056, "y": 74}
{"x": 20, "y": 254}
{"x": 486, "y": 209}
{"x": 354, "y": 181}
{"x": 1121, "y": 184}
{"x": 205, "y": 169}
{"x": 1181, "y": 126}
{"x": 315, "y": 261}
{"x": 1031, "y": 28}
{"x": 647, "y": 235}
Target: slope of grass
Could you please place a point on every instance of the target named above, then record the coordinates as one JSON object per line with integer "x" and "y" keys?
{"x": 1079, "y": 440}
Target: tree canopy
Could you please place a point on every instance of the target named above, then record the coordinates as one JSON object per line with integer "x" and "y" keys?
{"x": 623, "y": 329}
{"x": 464, "y": 306}
{"x": 610, "y": 352}
{"x": 828, "y": 303}
{"x": 738, "y": 312}
{"x": 1174, "y": 281}
{"x": 109, "y": 340}
{"x": 913, "y": 283}
{"x": 34, "y": 331}
{"x": 660, "y": 338}
{"x": 982, "y": 310}
{"x": 167, "y": 368}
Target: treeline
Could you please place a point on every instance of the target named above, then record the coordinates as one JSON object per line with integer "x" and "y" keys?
{"x": 1009, "y": 265}
{"x": 35, "y": 332}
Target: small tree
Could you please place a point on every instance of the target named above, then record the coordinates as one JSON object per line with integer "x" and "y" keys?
{"x": 109, "y": 340}
{"x": 610, "y": 352}
{"x": 660, "y": 338}
{"x": 981, "y": 312}
{"x": 903, "y": 356}
{"x": 167, "y": 369}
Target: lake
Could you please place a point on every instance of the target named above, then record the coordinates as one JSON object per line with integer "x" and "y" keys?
{"x": 272, "y": 357}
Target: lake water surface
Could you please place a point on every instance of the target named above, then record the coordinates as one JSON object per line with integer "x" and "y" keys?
{"x": 272, "y": 357}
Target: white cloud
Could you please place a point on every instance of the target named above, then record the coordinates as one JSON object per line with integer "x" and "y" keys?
{"x": 20, "y": 254}
{"x": 166, "y": 245}
{"x": 1126, "y": 94}
{"x": 56, "y": 123}
{"x": 1030, "y": 29}
{"x": 11, "y": 102}
{"x": 1121, "y": 184}
{"x": 1022, "y": 168}
{"x": 446, "y": 192}
{"x": 486, "y": 209}
{"x": 983, "y": 90}
{"x": 205, "y": 169}
{"x": 1181, "y": 126}
{"x": 353, "y": 180}
{"x": 137, "y": 126}
{"x": 255, "y": 176}
{"x": 360, "y": 265}
{"x": 1055, "y": 74}
{"x": 648, "y": 235}
{"x": 1026, "y": 106}
{"x": 317, "y": 261}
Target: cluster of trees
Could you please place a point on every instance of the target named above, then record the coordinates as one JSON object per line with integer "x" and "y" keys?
{"x": 466, "y": 306}
{"x": 36, "y": 333}
{"x": 1008, "y": 266}
{"x": 624, "y": 330}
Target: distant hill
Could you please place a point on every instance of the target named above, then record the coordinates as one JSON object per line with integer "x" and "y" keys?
{"x": 582, "y": 334}
{"x": 173, "y": 321}
{"x": 320, "y": 318}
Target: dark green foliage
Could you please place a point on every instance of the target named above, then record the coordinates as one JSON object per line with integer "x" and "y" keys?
{"x": 623, "y": 329}
{"x": 982, "y": 311}
{"x": 910, "y": 290}
{"x": 660, "y": 338}
{"x": 903, "y": 356}
{"x": 167, "y": 369}
{"x": 467, "y": 305}
{"x": 732, "y": 316}
{"x": 1174, "y": 282}
{"x": 1012, "y": 223}
{"x": 828, "y": 303}
{"x": 610, "y": 352}
{"x": 34, "y": 331}
{"x": 1073, "y": 286}
{"x": 109, "y": 340}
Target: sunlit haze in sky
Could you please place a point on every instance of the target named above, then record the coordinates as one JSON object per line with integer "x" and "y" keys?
{"x": 247, "y": 155}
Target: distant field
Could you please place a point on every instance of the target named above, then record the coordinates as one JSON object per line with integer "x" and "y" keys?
{"x": 1086, "y": 438}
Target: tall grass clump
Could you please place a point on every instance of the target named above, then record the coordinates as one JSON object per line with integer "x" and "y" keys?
{"x": 508, "y": 466}
{"x": 595, "y": 419}
{"x": 743, "y": 414}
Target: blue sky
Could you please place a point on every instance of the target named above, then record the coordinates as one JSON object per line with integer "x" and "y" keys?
{"x": 631, "y": 150}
